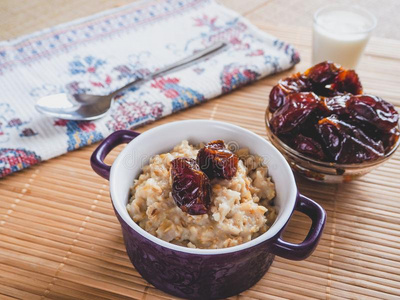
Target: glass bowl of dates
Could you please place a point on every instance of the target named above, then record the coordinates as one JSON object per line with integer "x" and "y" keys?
{"x": 327, "y": 128}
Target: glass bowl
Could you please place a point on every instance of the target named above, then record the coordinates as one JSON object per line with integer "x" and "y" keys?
{"x": 322, "y": 171}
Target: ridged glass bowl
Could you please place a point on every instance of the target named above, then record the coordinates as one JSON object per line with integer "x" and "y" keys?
{"x": 320, "y": 170}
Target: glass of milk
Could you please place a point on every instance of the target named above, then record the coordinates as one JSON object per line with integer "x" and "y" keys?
{"x": 340, "y": 34}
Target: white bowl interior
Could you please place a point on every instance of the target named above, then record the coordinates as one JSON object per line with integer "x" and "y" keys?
{"x": 137, "y": 153}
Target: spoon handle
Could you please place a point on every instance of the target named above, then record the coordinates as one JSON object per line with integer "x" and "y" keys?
{"x": 202, "y": 54}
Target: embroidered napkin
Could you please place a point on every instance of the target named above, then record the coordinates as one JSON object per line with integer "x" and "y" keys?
{"x": 103, "y": 52}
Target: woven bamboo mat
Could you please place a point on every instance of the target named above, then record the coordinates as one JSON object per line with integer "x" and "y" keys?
{"x": 59, "y": 238}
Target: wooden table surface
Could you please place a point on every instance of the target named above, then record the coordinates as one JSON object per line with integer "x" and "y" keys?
{"x": 59, "y": 238}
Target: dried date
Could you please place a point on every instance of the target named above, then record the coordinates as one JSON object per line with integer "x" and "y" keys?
{"x": 191, "y": 188}
{"x": 323, "y": 73}
{"x": 294, "y": 112}
{"x": 390, "y": 139}
{"x": 216, "y": 161}
{"x": 335, "y": 105}
{"x": 347, "y": 82}
{"x": 373, "y": 110}
{"x": 293, "y": 84}
{"x": 308, "y": 146}
{"x": 347, "y": 144}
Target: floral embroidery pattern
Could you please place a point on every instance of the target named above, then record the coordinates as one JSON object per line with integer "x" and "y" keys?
{"x": 217, "y": 31}
{"x": 9, "y": 122}
{"x": 79, "y": 133}
{"x": 289, "y": 50}
{"x": 94, "y": 70}
{"x": 135, "y": 68}
{"x": 182, "y": 97}
{"x": 207, "y": 21}
{"x": 12, "y": 160}
{"x": 234, "y": 76}
{"x": 127, "y": 114}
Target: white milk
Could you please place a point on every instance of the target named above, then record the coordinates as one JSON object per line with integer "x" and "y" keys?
{"x": 340, "y": 34}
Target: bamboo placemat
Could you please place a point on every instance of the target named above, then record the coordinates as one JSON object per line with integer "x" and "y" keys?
{"x": 59, "y": 238}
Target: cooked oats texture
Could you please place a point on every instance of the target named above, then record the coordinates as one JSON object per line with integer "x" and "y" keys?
{"x": 240, "y": 208}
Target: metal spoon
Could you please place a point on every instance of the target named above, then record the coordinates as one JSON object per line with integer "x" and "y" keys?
{"x": 91, "y": 107}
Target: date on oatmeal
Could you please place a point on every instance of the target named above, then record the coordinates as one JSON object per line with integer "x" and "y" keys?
{"x": 191, "y": 187}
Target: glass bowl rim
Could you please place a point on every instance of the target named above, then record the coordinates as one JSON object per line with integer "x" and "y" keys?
{"x": 325, "y": 164}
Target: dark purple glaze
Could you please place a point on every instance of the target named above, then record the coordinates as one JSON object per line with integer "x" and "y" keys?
{"x": 205, "y": 276}
{"x": 113, "y": 140}
{"x": 303, "y": 250}
{"x": 196, "y": 276}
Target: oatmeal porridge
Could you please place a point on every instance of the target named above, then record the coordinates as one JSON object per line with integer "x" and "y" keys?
{"x": 240, "y": 208}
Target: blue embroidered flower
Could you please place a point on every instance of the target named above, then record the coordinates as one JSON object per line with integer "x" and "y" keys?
{"x": 88, "y": 64}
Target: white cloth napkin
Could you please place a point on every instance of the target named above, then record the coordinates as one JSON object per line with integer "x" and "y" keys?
{"x": 100, "y": 53}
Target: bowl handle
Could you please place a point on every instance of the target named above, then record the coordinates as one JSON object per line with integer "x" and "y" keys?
{"x": 113, "y": 140}
{"x": 303, "y": 250}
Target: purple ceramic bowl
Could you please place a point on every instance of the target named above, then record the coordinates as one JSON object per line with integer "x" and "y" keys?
{"x": 204, "y": 273}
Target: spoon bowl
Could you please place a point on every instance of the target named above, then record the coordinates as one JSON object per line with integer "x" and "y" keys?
{"x": 75, "y": 107}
